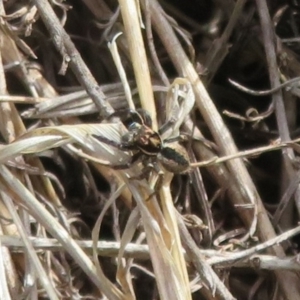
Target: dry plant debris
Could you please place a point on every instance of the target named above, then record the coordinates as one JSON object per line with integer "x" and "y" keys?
{"x": 218, "y": 78}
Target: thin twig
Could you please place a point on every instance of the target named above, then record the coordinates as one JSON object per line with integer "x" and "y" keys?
{"x": 288, "y": 83}
{"x": 42, "y": 274}
{"x": 287, "y": 281}
{"x": 70, "y": 55}
{"x": 141, "y": 252}
{"x": 248, "y": 252}
{"x": 219, "y": 48}
{"x": 245, "y": 153}
{"x": 207, "y": 274}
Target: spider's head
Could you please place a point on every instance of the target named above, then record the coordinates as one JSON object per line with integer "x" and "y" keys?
{"x": 145, "y": 138}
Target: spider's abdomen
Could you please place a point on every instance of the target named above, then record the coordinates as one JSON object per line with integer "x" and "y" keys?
{"x": 174, "y": 158}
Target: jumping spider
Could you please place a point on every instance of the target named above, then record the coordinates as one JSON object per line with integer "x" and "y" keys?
{"x": 144, "y": 141}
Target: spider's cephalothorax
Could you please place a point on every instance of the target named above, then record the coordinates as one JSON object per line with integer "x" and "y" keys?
{"x": 143, "y": 140}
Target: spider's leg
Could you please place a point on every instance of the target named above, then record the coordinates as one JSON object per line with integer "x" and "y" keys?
{"x": 158, "y": 185}
{"x": 144, "y": 173}
{"x": 166, "y": 126}
{"x": 185, "y": 137}
{"x": 180, "y": 138}
{"x": 145, "y": 116}
{"x": 127, "y": 116}
{"x": 128, "y": 164}
{"x": 118, "y": 145}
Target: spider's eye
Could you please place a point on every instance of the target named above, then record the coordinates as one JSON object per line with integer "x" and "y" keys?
{"x": 134, "y": 126}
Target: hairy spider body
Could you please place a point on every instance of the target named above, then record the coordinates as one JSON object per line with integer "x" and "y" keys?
{"x": 174, "y": 158}
{"x": 142, "y": 139}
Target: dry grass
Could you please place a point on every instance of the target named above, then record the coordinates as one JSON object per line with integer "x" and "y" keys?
{"x": 72, "y": 227}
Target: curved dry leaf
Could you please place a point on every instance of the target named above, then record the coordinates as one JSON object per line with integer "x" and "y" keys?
{"x": 180, "y": 101}
{"x": 45, "y": 138}
{"x": 51, "y": 224}
{"x": 29, "y": 146}
{"x": 169, "y": 281}
{"x": 123, "y": 276}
